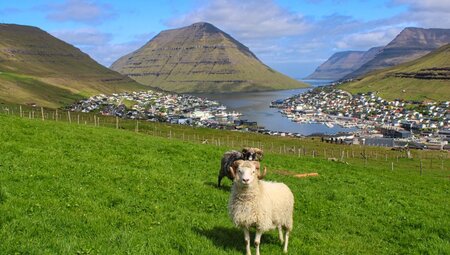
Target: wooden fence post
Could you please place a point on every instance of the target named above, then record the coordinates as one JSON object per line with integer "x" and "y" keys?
{"x": 420, "y": 166}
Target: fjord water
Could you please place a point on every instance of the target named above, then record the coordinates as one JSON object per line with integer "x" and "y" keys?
{"x": 255, "y": 107}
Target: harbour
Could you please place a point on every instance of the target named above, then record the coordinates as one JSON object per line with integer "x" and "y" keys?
{"x": 255, "y": 106}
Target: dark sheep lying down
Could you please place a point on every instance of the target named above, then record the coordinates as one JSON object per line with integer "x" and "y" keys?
{"x": 229, "y": 157}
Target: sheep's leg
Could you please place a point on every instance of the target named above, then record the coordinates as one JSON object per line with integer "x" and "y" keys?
{"x": 280, "y": 233}
{"x": 247, "y": 241}
{"x": 286, "y": 240}
{"x": 219, "y": 179}
{"x": 257, "y": 240}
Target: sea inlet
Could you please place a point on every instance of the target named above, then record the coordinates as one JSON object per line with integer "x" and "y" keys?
{"x": 255, "y": 106}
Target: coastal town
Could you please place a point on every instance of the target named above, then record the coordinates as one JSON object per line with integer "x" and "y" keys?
{"x": 380, "y": 122}
{"x": 162, "y": 107}
{"x": 374, "y": 120}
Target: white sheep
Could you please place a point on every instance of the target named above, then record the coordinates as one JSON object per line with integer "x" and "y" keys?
{"x": 259, "y": 204}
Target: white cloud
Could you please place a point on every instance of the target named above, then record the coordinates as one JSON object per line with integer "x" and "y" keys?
{"x": 426, "y": 5}
{"x": 365, "y": 40}
{"x": 83, "y": 11}
{"x": 99, "y": 45}
{"x": 109, "y": 53}
{"x": 426, "y": 13}
{"x": 247, "y": 19}
{"x": 83, "y": 36}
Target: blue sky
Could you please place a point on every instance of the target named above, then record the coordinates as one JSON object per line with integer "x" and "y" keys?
{"x": 293, "y": 36}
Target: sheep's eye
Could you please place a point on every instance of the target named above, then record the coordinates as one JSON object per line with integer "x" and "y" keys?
{"x": 240, "y": 171}
{"x": 253, "y": 171}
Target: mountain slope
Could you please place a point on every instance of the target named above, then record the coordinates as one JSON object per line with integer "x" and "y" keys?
{"x": 36, "y": 67}
{"x": 200, "y": 58}
{"x": 426, "y": 78}
{"x": 342, "y": 63}
{"x": 410, "y": 44}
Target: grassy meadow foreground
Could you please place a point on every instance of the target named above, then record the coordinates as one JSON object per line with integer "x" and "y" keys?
{"x": 79, "y": 189}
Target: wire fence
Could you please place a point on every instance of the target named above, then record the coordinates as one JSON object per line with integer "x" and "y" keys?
{"x": 419, "y": 161}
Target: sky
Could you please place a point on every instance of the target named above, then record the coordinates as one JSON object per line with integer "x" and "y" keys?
{"x": 293, "y": 37}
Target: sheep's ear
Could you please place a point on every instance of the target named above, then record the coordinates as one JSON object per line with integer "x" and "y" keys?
{"x": 257, "y": 165}
{"x": 263, "y": 174}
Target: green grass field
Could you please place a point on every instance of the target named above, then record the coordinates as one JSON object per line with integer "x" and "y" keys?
{"x": 69, "y": 189}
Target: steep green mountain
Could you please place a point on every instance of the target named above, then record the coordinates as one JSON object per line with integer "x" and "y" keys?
{"x": 426, "y": 78}
{"x": 342, "y": 63}
{"x": 36, "y": 67}
{"x": 412, "y": 43}
{"x": 200, "y": 58}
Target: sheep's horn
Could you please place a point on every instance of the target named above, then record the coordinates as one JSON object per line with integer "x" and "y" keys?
{"x": 261, "y": 176}
{"x": 232, "y": 172}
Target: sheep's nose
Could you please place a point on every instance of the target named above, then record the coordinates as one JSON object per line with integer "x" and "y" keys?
{"x": 245, "y": 180}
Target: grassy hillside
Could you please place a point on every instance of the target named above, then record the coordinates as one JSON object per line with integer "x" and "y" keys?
{"x": 427, "y": 78}
{"x": 200, "y": 58}
{"x": 36, "y": 67}
{"x": 69, "y": 189}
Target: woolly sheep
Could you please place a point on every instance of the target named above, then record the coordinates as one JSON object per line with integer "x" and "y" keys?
{"x": 231, "y": 156}
{"x": 228, "y": 159}
{"x": 260, "y": 204}
{"x": 251, "y": 153}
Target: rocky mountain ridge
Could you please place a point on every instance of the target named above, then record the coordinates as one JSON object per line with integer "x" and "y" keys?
{"x": 343, "y": 63}
{"x": 412, "y": 43}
